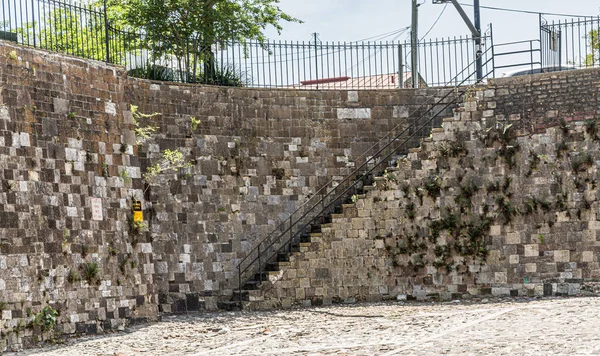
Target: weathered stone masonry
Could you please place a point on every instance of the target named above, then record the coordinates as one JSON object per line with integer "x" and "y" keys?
{"x": 62, "y": 130}
{"x": 259, "y": 153}
{"x": 66, "y": 137}
{"x": 502, "y": 200}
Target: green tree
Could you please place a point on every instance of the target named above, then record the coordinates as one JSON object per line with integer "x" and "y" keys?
{"x": 63, "y": 30}
{"x": 77, "y": 30}
{"x": 187, "y": 29}
{"x": 593, "y": 58}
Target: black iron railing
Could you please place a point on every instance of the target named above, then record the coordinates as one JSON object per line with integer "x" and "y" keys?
{"x": 68, "y": 27}
{"x": 322, "y": 204}
{"x": 522, "y": 54}
{"x": 83, "y": 30}
{"x": 572, "y": 43}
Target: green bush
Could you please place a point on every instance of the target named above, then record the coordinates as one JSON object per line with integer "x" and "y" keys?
{"x": 46, "y": 318}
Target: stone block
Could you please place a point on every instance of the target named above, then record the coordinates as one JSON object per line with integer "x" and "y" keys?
{"x": 513, "y": 238}
{"x": 352, "y": 96}
{"x": 359, "y": 113}
{"x": 488, "y": 113}
{"x": 532, "y": 250}
{"x": 61, "y": 106}
{"x": 400, "y": 112}
{"x": 489, "y": 93}
{"x": 500, "y": 291}
{"x": 500, "y": 277}
{"x": 562, "y": 256}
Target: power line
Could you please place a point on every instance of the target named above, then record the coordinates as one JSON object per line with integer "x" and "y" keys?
{"x": 385, "y": 35}
{"x": 526, "y": 11}
{"x": 435, "y": 23}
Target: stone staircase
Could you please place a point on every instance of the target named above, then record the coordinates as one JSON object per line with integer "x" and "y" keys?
{"x": 252, "y": 294}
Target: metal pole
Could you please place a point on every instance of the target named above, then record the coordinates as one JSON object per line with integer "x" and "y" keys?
{"x": 259, "y": 264}
{"x": 240, "y": 283}
{"x": 316, "y": 62}
{"x": 478, "y": 40}
{"x": 106, "y": 34}
{"x": 414, "y": 40}
{"x": 33, "y": 21}
{"x": 400, "y": 67}
{"x": 493, "y": 51}
{"x": 542, "y": 59}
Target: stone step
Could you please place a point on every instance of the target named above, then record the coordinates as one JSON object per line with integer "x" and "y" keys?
{"x": 247, "y": 295}
{"x": 283, "y": 257}
{"x": 277, "y": 266}
{"x": 449, "y": 119}
{"x": 251, "y": 285}
{"x": 262, "y": 276}
{"x": 231, "y": 305}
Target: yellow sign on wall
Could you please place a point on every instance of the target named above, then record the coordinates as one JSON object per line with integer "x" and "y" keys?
{"x": 136, "y": 207}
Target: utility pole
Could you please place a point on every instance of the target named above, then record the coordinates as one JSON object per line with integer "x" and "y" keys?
{"x": 478, "y": 40}
{"x": 475, "y": 30}
{"x": 414, "y": 41}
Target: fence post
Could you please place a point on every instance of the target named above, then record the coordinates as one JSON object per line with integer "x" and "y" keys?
{"x": 400, "y": 67}
{"x": 106, "y": 35}
{"x": 33, "y": 22}
{"x": 316, "y": 60}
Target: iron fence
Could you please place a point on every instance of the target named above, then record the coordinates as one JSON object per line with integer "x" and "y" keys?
{"x": 572, "y": 43}
{"x": 523, "y": 54}
{"x": 348, "y": 65}
{"x": 69, "y": 27}
{"x": 320, "y": 205}
{"x": 82, "y": 29}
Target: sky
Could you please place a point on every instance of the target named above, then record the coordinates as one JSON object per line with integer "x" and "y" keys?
{"x": 352, "y": 20}
{"x": 356, "y": 20}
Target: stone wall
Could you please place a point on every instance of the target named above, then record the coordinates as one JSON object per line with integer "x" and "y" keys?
{"x": 62, "y": 137}
{"x": 502, "y": 200}
{"x": 67, "y": 141}
{"x": 258, "y": 155}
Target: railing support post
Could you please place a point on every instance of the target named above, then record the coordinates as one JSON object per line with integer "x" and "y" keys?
{"x": 106, "y": 34}
{"x": 239, "y": 282}
{"x": 400, "y": 67}
{"x": 259, "y": 264}
{"x": 33, "y": 17}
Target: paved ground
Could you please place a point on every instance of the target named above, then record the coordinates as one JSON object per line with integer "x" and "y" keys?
{"x": 509, "y": 327}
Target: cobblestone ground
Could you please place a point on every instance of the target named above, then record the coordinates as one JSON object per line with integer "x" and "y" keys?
{"x": 506, "y": 327}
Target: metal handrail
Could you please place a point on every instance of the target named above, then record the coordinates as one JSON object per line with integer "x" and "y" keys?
{"x": 286, "y": 234}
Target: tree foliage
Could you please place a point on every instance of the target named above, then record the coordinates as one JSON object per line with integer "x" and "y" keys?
{"x": 187, "y": 29}
{"x": 174, "y": 38}
{"x": 65, "y": 30}
{"x": 209, "y": 20}
{"x": 593, "y": 58}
